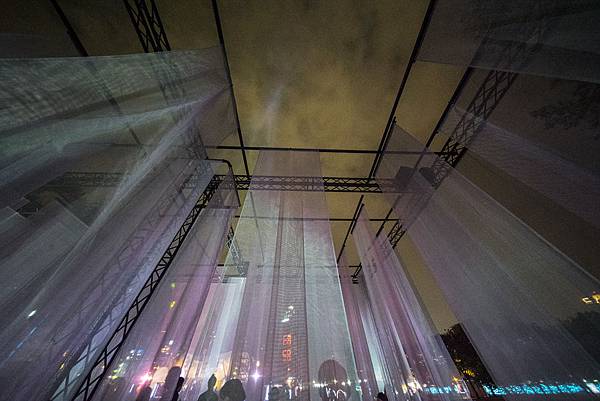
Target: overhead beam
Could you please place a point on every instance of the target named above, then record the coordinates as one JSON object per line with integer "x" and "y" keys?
{"x": 242, "y": 182}
{"x": 320, "y": 150}
{"x": 217, "y": 16}
{"x": 299, "y": 183}
{"x": 303, "y": 218}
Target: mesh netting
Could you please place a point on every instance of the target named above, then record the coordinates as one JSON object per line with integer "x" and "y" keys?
{"x": 542, "y": 37}
{"x": 159, "y": 349}
{"x": 289, "y": 338}
{"x": 104, "y": 156}
{"x": 518, "y": 297}
{"x": 418, "y": 363}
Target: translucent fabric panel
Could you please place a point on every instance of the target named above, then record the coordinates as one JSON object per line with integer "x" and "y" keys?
{"x": 542, "y": 37}
{"x": 214, "y": 337}
{"x": 514, "y": 293}
{"x": 54, "y": 229}
{"x": 543, "y": 134}
{"x": 56, "y": 112}
{"x": 111, "y": 149}
{"x": 563, "y": 180}
{"x": 406, "y": 178}
{"x": 382, "y": 374}
{"x": 518, "y": 298}
{"x": 358, "y": 309}
{"x": 427, "y": 369}
{"x": 292, "y": 334}
{"x": 154, "y": 353}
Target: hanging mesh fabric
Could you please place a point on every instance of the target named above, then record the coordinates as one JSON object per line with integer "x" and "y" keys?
{"x": 105, "y": 157}
{"x": 518, "y": 297}
{"x": 542, "y": 133}
{"x": 541, "y": 37}
{"x": 160, "y": 344}
{"x": 417, "y": 358}
{"x": 291, "y": 337}
{"x": 368, "y": 354}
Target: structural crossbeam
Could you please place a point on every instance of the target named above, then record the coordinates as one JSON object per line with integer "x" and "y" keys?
{"x": 297, "y": 183}
{"x": 242, "y": 182}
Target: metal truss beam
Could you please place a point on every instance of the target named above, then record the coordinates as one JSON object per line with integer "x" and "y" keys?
{"x": 148, "y": 25}
{"x": 320, "y": 150}
{"x": 297, "y": 183}
{"x": 102, "y": 363}
{"x": 242, "y": 182}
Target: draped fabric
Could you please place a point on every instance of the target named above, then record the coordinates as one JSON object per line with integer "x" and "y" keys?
{"x": 416, "y": 358}
{"x": 160, "y": 344}
{"x": 543, "y": 134}
{"x": 517, "y": 296}
{"x": 292, "y": 336}
{"x": 555, "y": 38}
{"x": 101, "y": 160}
{"x": 365, "y": 342}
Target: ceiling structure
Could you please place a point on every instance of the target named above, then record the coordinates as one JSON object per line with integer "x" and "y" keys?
{"x": 306, "y": 74}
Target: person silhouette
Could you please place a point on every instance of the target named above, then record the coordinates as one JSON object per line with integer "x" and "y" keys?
{"x": 381, "y": 397}
{"x": 144, "y": 394}
{"x": 274, "y": 394}
{"x": 232, "y": 390}
{"x": 209, "y": 394}
{"x": 178, "y": 389}
{"x": 171, "y": 384}
{"x": 335, "y": 378}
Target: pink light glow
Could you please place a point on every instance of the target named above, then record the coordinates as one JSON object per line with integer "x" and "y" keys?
{"x": 145, "y": 377}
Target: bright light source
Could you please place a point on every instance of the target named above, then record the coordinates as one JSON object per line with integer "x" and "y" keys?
{"x": 33, "y": 312}
{"x": 146, "y": 377}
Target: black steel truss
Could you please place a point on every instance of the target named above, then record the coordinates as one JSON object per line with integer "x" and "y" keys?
{"x": 148, "y": 25}
{"x": 100, "y": 366}
{"x": 235, "y": 254}
{"x": 298, "y": 183}
{"x": 320, "y": 150}
{"x": 242, "y": 182}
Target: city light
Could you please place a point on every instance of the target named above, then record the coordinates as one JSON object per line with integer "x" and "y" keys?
{"x": 145, "y": 377}
{"x": 593, "y": 299}
{"x": 33, "y": 312}
{"x": 567, "y": 388}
